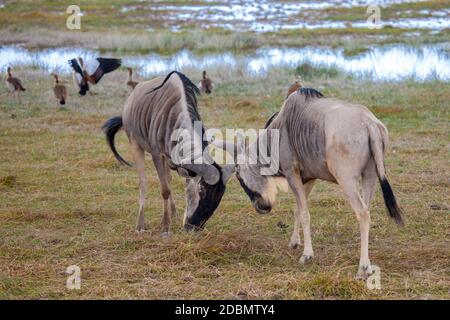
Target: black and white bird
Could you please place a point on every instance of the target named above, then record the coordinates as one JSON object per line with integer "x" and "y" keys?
{"x": 92, "y": 73}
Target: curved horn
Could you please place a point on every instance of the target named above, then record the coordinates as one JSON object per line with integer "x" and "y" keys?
{"x": 227, "y": 172}
{"x": 210, "y": 173}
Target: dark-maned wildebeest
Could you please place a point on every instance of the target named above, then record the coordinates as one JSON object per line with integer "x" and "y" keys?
{"x": 327, "y": 139}
{"x": 152, "y": 113}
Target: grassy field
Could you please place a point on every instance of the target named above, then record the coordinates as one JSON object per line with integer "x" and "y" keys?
{"x": 65, "y": 201}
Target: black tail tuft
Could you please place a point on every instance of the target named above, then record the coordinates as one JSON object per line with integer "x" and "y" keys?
{"x": 110, "y": 129}
{"x": 391, "y": 203}
{"x": 62, "y": 102}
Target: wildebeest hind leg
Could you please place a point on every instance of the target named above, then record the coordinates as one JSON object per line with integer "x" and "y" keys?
{"x": 350, "y": 187}
{"x": 138, "y": 156}
{"x": 369, "y": 181}
{"x": 163, "y": 175}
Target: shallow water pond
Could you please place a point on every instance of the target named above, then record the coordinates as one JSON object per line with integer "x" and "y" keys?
{"x": 388, "y": 63}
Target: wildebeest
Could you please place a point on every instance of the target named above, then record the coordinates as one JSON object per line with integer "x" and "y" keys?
{"x": 152, "y": 113}
{"x": 327, "y": 139}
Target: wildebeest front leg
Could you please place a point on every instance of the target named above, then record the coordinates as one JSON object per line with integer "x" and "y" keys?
{"x": 163, "y": 175}
{"x": 138, "y": 156}
{"x": 301, "y": 214}
{"x": 173, "y": 209}
{"x": 295, "y": 238}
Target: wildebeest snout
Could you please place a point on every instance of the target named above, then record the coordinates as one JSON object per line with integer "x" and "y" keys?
{"x": 262, "y": 206}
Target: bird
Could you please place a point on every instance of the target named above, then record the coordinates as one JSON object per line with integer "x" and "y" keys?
{"x": 82, "y": 77}
{"x": 298, "y": 83}
{"x": 130, "y": 83}
{"x": 59, "y": 90}
{"x": 14, "y": 84}
{"x": 206, "y": 84}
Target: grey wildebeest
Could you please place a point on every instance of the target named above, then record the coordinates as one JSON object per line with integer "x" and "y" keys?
{"x": 152, "y": 113}
{"x": 327, "y": 139}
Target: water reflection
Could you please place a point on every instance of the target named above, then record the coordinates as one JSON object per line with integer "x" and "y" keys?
{"x": 390, "y": 63}
{"x": 269, "y": 15}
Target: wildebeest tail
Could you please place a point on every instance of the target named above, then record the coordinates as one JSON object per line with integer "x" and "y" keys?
{"x": 110, "y": 129}
{"x": 62, "y": 102}
{"x": 377, "y": 142}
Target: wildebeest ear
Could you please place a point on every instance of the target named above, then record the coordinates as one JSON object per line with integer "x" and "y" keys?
{"x": 209, "y": 172}
{"x": 227, "y": 172}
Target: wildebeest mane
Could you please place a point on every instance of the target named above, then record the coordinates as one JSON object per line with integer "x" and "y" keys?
{"x": 272, "y": 117}
{"x": 190, "y": 90}
{"x": 310, "y": 93}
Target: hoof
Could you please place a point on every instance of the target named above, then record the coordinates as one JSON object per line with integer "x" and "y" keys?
{"x": 166, "y": 234}
{"x": 304, "y": 259}
{"x": 139, "y": 230}
{"x": 294, "y": 243}
{"x": 364, "y": 272}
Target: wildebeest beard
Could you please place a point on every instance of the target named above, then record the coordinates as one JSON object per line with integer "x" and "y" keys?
{"x": 210, "y": 196}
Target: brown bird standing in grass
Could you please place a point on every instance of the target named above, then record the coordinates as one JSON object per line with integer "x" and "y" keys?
{"x": 206, "y": 85}
{"x": 298, "y": 83}
{"x": 130, "y": 83}
{"x": 59, "y": 90}
{"x": 14, "y": 85}
{"x": 101, "y": 66}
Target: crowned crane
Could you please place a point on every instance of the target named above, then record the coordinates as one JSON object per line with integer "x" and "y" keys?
{"x": 130, "y": 83}
{"x": 59, "y": 90}
{"x": 14, "y": 84}
{"x": 82, "y": 75}
{"x": 206, "y": 84}
{"x": 298, "y": 83}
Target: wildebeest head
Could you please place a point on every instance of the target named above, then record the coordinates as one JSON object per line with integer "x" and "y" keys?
{"x": 261, "y": 189}
{"x": 203, "y": 194}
